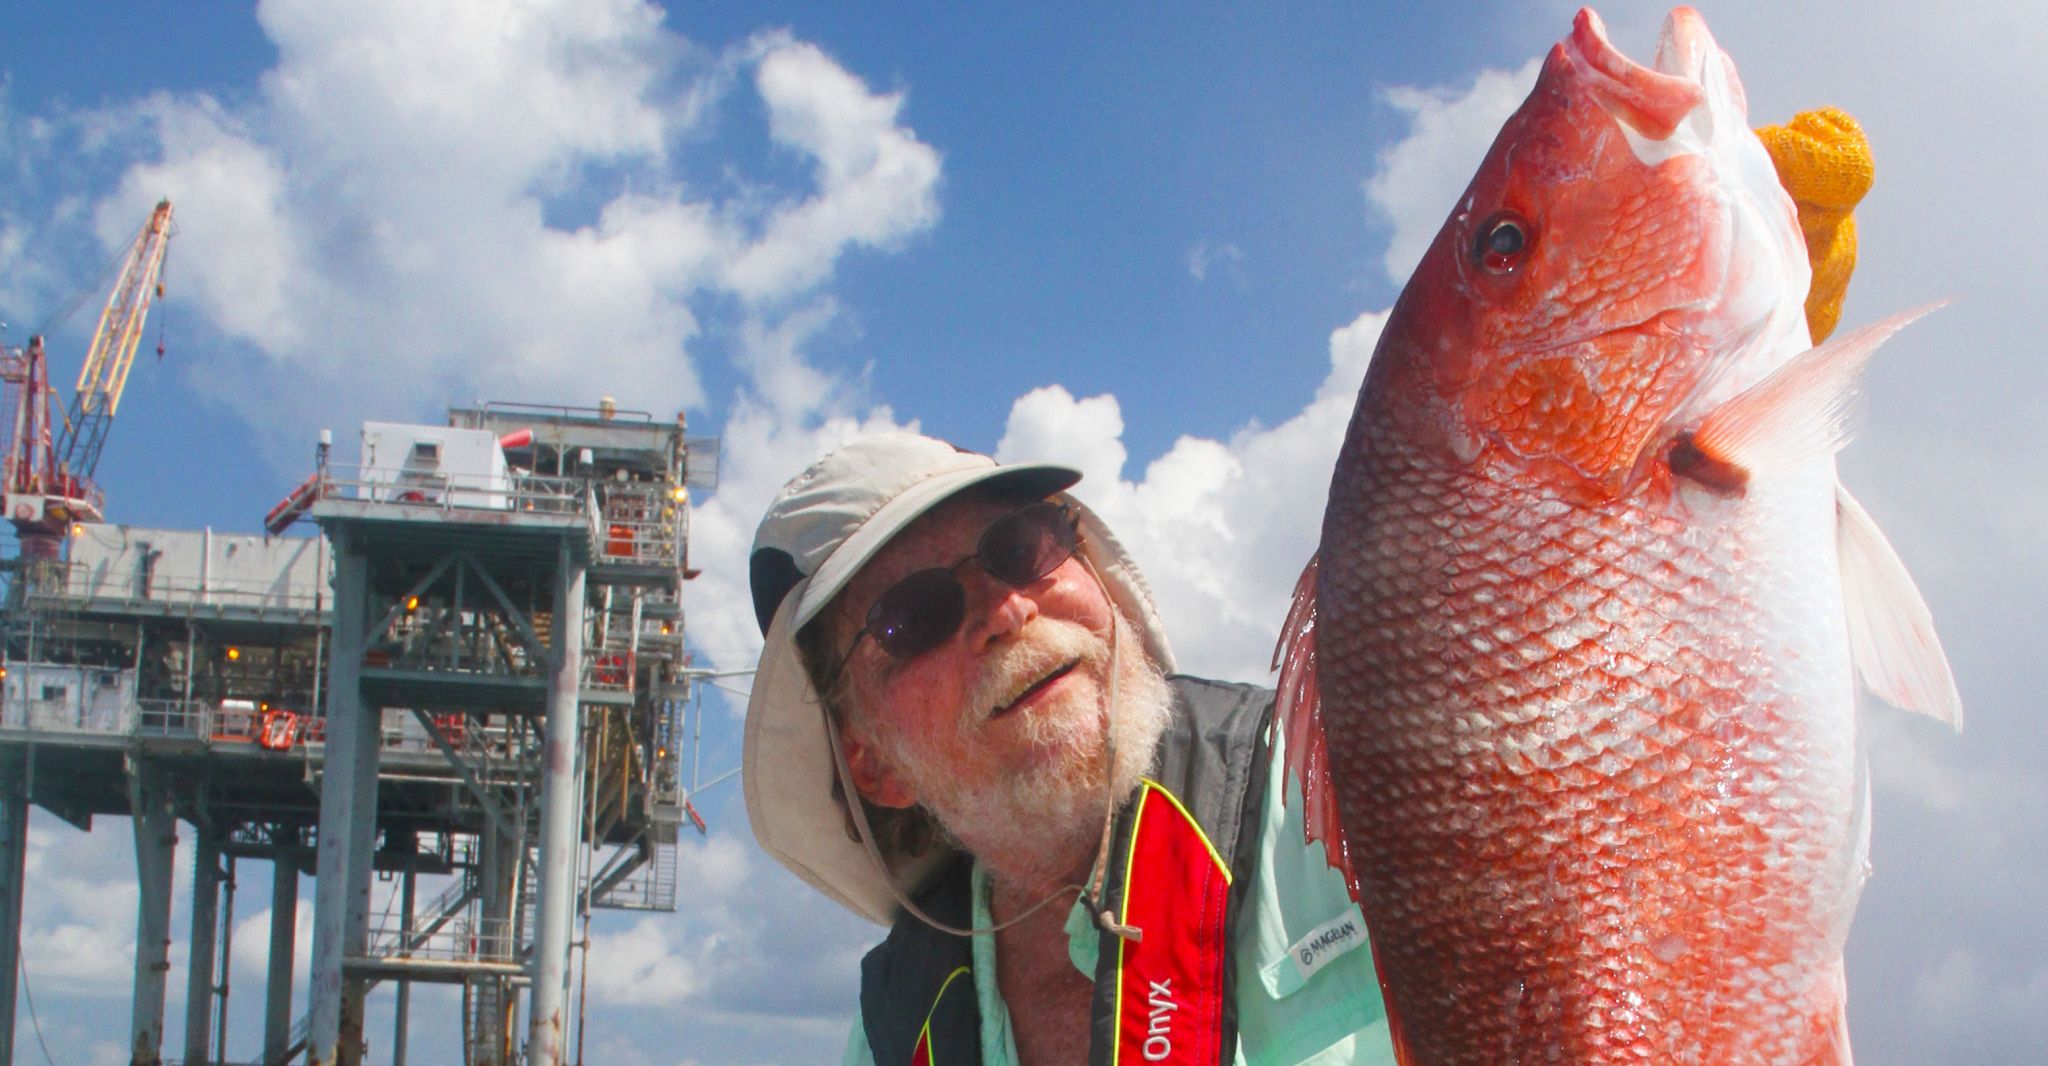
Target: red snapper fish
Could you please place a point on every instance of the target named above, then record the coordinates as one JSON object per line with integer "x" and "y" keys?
{"x": 1575, "y": 671}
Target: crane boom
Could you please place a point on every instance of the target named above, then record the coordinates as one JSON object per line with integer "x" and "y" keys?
{"x": 105, "y": 373}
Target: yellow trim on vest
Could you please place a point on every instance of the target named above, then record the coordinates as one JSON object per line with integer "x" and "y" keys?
{"x": 924, "y": 1035}
{"x": 1116, "y": 1044}
{"x": 1214, "y": 855}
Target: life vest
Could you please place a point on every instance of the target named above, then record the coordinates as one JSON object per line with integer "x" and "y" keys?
{"x": 1181, "y": 861}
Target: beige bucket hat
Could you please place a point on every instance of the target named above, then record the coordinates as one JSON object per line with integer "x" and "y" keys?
{"x": 824, "y": 525}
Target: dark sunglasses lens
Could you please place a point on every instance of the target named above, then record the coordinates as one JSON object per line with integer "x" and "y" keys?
{"x": 1027, "y": 545}
{"x": 918, "y": 613}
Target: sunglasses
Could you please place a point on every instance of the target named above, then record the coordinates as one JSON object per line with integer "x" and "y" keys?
{"x": 925, "y": 609}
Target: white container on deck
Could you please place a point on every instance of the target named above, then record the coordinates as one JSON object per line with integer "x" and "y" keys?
{"x": 434, "y": 464}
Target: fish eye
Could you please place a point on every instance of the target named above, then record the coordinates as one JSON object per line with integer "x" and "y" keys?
{"x": 1502, "y": 241}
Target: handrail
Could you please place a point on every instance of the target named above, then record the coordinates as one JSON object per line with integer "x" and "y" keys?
{"x": 80, "y": 582}
{"x": 566, "y": 410}
{"x": 232, "y": 726}
{"x": 462, "y": 939}
{"x": 641, "y": 526}
{"x": 510, "y": 491}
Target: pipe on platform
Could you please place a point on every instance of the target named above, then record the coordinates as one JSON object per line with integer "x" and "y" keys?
{"x": 548, "y": 1021}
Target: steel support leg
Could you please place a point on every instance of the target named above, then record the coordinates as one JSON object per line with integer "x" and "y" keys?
{"x": 559, "y": 824}
{"x": 284, "y": 929}
{"x": 405, "y": 906}
{"x": 13, "y": 880}
{"x": 205, "y": 939}
{"x": 156, "y": 844}
{"x": 348, "y": 823}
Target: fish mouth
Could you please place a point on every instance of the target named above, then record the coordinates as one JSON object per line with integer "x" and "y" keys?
{"x": 1688, "y": 102}
{"x": 1035, "y": 688}
{"x": 1653, "y": 102}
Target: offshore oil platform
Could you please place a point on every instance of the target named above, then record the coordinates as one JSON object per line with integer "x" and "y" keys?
{"x": 472, "y": 672}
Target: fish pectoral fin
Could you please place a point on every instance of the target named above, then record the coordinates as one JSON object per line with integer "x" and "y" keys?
{"x": 1891, "y": 633}
{"x": 1801, "y": 412}
{"x": 1298, "y": 723}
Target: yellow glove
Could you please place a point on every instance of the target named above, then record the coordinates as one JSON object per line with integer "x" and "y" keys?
{"x": 1823, "y": 159}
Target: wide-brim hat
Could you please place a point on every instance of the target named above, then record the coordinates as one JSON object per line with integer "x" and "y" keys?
{"x": 824, "y": 526}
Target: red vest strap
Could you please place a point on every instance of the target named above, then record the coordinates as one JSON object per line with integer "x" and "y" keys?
{"x": 1170, "y": 984}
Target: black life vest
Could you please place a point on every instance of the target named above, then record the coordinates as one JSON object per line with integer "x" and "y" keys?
{"x": 1180, "y": 864}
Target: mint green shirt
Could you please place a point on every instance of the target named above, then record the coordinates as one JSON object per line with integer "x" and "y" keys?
{"x": 1306, "y": 991}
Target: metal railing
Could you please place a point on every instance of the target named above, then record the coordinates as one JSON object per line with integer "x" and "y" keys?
{"x": 460, "y": 939}
{"x": 646, "y": 885}
{"x": 85, "y": 581}
{"x": 173, "y": 718}
{"x": 511, "y": 491}
{"x": 555, "y": 410}
{"x": 498, "y": 752}
{"x": 640, "y": 525}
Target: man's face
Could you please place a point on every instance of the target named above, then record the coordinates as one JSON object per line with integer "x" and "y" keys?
{"x": 1011, "y": 700}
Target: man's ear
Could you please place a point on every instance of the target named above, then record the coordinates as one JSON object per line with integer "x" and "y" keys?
{"x": 872, "y": 777}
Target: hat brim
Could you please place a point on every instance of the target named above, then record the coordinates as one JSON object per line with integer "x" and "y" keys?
{"x": 813, "y": 595}
{"x": 787, "y": 769}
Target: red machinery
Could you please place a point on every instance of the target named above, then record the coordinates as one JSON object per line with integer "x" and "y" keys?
{"x": 47, "y": 481}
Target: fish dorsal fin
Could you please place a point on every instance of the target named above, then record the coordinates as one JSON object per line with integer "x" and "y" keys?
{"x": 1891, "y": 633}
{"x": 1298, "y": 720}
{"x": 1799, "y": 413}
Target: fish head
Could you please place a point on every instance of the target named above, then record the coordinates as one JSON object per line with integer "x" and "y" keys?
{"x": 1624, "y": 253}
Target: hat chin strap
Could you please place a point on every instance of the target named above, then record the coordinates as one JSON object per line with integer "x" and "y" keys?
{"x": 1092, "y": 893}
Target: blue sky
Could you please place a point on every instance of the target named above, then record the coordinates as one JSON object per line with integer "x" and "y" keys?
{"x": 1152, "y": 241}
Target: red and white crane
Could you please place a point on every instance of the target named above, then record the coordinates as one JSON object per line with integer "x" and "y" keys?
{"x": 47, "y": 481}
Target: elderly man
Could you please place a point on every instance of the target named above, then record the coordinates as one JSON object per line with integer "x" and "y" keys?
{"x": 1111, "y": 837}
{"x": 1081, "y": 855}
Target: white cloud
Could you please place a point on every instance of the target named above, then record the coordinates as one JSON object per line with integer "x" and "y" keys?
{"x": 78, "y": 921}
{"x": 719, "y": 865}
{"x": 1416, "y": 180}
{"x": 1221, "y": 529}
{"x": 876, "y": 181}
{"x": 640, "y": 966}
{"x": 229, "y": 189}
{"x": 1223, "y": 256}
{"x": 468, "y": 197}
{"x": 96, "y": 959}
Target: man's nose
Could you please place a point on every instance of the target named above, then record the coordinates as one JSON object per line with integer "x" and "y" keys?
{"x": 996, "y": 610}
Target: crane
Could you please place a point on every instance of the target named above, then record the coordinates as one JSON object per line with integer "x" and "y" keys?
{"x": 47, "y": 482}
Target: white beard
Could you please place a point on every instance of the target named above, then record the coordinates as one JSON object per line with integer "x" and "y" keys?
{"x": 1041, "y": 825}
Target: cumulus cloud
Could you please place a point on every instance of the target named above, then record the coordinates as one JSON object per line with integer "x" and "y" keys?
{"x": 461, "y": 197}
{"x": 1412, "y": 187}
{"x": 640, "y": 966}
{"x": 1221, "y": 528}
{"x": 876, "y": 181}
{"x": 78, "y": 921}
